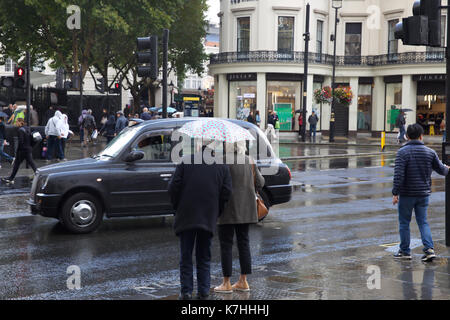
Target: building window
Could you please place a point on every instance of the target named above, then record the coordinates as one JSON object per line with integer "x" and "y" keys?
{"x": 392, "y": 42}
{"x": 10, "y": 65}
{"x": 285, "y": 34}
{"x": 243, "y": 34}
{"x": 364, "y": 107}
{"x": 319, "y": 39}
{"x": 353, "y": 43}
{"x": 242, "y": 99}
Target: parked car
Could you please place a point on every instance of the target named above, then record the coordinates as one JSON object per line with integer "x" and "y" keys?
{"x": 130, "y": 178}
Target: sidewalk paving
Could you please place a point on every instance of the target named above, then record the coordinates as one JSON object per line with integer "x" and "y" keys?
{"x": 361, "y": 140}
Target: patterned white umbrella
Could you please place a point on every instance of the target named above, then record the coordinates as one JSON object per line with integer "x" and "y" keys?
{"x": 216, "y": 129}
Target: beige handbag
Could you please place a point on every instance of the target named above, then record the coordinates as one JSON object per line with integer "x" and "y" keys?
{"x": 260, "y": 206}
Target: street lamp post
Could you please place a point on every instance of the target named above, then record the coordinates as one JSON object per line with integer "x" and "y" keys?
{"x": 336, "y": 4}
{"x": 171, "y": 85}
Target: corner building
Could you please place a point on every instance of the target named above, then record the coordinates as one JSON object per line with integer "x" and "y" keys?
{"x": 260, "y": 64}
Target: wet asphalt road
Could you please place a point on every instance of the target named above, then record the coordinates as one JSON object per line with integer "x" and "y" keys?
{"x": 339, "y": 222}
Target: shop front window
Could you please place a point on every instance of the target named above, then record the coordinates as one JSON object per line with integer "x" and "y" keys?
{"x": 430, "y": 112}
{"x": 242, "y": 99}
{"x": 364, "y": 107}
{"x": 284, "y": 98}
{"x": 393, "y": 104}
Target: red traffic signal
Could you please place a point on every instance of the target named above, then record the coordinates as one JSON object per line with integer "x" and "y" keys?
{"x": 20, "y": 72}
{"x": 19, "y": 78}
{"x": 117, "y": 85}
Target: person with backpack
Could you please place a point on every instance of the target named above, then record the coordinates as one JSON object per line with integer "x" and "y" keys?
{"x": 54, "y": 133}
{"x": 88, "y": 126}
{"x": 80, "y": 125}
{"x": 24, "y": 150}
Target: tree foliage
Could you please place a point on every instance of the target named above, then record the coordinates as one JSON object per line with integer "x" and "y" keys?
{"x": 107, "y": 37}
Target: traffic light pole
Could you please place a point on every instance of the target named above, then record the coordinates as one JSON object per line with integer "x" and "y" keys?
{"x": 81, "y": 89}
{"x": 447, "y": 131}
{"x": 305, "y": 73}
{"x": 28, "y": 87}
{"x": 165, "y": 62}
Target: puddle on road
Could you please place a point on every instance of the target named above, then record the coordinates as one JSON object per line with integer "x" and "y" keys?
{"x": 283, "y": 279}
{"x": 307, "y": 290}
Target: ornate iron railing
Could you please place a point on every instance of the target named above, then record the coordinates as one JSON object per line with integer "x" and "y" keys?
{"x": 240, "y": 1}
{"x": 315, "y": 58}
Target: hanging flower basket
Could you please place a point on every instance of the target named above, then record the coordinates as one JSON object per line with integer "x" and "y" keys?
{"x": 343, "y": 95}
{"x": 323, "y": 95}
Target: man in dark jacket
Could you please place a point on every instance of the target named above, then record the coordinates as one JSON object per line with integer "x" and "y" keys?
{"x": 198, "y": 193}
{"x": 313, "y": 119}
{"x": 121, "y": 122}
{"x": 24, "y": 150}
{"x": 412, "y": 188}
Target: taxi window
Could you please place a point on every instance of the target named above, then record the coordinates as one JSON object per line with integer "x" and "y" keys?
{"x": 156, "y": 146}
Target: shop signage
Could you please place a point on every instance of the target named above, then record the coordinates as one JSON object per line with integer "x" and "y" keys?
{"x": 249, "y": 95}
{"x": 430, "y": 77}
{"x": 241, "y": 76}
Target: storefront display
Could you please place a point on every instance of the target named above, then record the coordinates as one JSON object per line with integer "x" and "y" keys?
{"x": 393, "y": 104}
{"x": 242, "y": 99}
{"x": 364, "y": 121}
{"x": 284, "y": 97}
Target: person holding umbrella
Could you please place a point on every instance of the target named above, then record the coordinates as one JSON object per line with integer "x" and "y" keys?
{"x": 198, "y": 193}
{"x": 240, "y": 211}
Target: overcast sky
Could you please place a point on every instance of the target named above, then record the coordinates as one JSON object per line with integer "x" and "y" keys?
{"x": 214, "y": 8}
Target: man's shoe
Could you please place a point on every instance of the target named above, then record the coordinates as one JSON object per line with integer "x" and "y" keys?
{"x": 401, "y": 255}
{"x": 7, "y": 180}
{"x": 202, "y": 296}
{"x": 429, "y": 255}
{"x": 185, "y": 296}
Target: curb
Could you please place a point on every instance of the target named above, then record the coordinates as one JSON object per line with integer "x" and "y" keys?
{"x": 337, "y": 156}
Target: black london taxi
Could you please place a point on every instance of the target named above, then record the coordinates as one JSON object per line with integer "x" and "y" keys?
{"x": 130, "y": 177}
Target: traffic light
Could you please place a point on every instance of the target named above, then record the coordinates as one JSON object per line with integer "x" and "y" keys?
{"x": 424, "y": 27}
{"x": 7, "y": 82}
{"x": 116, "y": 88}
{"x": 102, "y": 85}
{"x": 148, "y": 57}
{"x": 19, "y": 78}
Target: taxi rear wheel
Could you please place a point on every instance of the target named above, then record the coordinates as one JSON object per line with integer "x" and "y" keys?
{"x": 81, "y": 213}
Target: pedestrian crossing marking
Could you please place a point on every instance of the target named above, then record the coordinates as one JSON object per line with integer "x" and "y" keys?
{"x": 388, "y": 245}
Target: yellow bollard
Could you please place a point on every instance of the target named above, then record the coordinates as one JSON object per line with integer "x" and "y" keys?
{"x": 431, "y": 130}
{"x": 383, "y": 140}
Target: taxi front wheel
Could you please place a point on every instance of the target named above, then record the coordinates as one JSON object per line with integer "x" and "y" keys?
{"x": 81, "y": 213}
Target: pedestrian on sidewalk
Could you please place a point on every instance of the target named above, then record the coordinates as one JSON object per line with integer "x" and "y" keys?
{"x": 251, "y": 118}
{"x": 24, "y": 150}
{"x": 258, "y": 118}
{"x": 443, "y": 129}
{"x": 3, "y": 142}
{"x": 239, "y": 213}
{"x": 121, "y": 122}
{"x": 313, "y": 119}
{"x": 300, "y": 125}
{"x": 198, "y": 193}
{"x": 89, "y": 126}
{"x": 400, "y": 123}
{"x": 80, "y": 125}
{"x": 109, "y": 128}
{"x": 66, "y": 134}
{"x": 414, "y": 164}
{"x": 54, "y": 132}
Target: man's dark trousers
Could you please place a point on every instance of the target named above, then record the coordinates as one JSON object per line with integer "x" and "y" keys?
{"x": 20, "y": 157}
{"x": 54, "y": 142}
{"x": 202, "y": 241}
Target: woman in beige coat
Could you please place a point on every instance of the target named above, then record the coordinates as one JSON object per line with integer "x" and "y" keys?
{"x": 239, "y": 212}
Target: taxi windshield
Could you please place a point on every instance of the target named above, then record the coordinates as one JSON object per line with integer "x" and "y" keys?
{"x": 116, "y": 145}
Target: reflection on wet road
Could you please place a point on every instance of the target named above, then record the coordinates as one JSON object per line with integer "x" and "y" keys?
{"x": 318, "y": 246}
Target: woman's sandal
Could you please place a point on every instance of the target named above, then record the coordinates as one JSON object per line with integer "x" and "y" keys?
{"x": 238, "y": 288}
{"x": 221, "y": 289}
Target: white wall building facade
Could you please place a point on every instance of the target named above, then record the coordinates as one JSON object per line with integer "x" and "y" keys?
{"x": 260, "y": 64}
